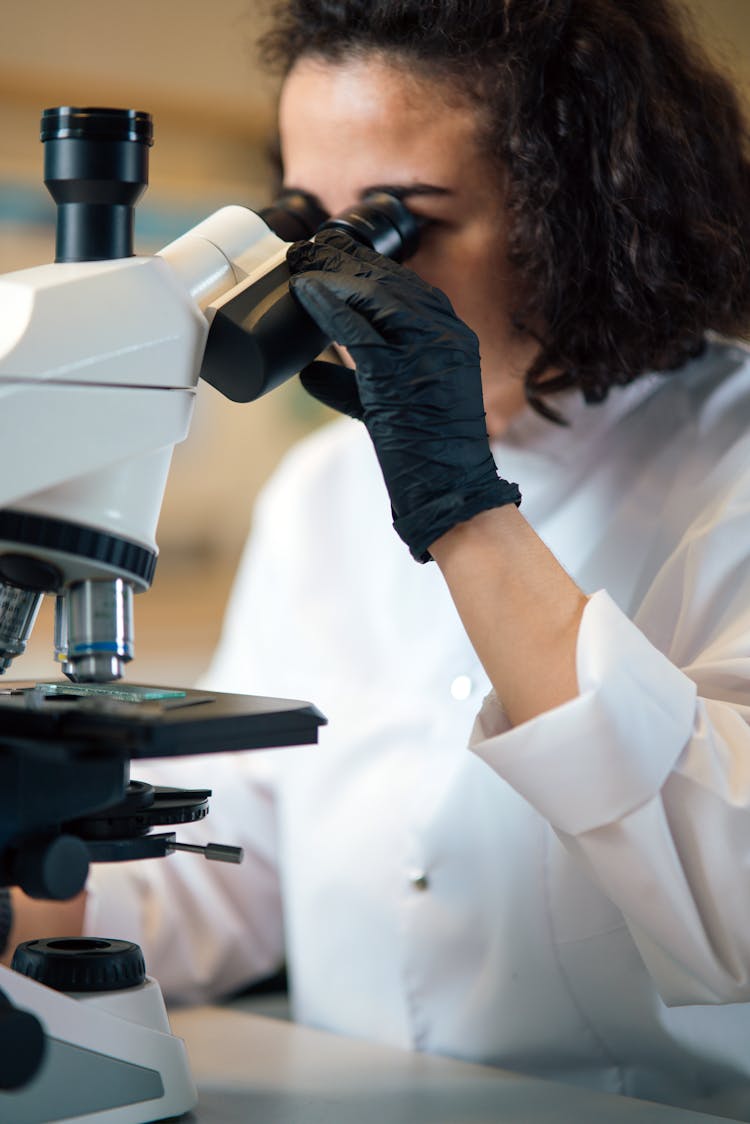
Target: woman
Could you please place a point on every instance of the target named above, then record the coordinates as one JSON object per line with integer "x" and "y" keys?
{"x": 579, "y": 908}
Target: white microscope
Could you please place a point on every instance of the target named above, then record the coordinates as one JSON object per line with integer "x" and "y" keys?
{"x": 100, "y": 356}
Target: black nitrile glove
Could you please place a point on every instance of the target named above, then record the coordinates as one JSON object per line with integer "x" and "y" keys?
{"x": 417, "y": 384}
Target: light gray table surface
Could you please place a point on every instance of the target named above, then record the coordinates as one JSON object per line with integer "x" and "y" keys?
{"x": 255, "y": 1070}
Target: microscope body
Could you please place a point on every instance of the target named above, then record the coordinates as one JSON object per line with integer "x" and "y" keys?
{"x": 100, "y": 356}
{"x": 99, "y": 364}
{"x": 99, "y": 367}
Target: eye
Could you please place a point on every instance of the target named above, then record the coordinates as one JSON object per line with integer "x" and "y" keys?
{"x": 432, "y": 231}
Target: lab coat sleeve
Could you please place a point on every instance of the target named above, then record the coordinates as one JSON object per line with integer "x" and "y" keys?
{"x": 645, "y": 775}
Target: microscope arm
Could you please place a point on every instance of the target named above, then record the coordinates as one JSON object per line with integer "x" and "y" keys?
{"x": 99, "y": 364}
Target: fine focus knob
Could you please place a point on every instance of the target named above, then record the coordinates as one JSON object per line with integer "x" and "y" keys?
{"x": 81, "y": 963}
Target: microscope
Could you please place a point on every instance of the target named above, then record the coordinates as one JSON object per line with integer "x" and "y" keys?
{"x": 100, "y": 357}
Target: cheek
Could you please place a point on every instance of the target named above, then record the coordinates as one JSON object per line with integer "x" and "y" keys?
{"x": 465, "y": 261}
{"x": 464, "y": 278}
{"x": 441, "y": 264}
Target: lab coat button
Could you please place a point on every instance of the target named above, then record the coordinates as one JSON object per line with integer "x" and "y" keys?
{"x": 420, "y": 881}
{"x": 461, "y": 687}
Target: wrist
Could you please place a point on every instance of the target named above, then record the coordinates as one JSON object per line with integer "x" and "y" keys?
{"x": 433, "y": 520}
{"x": 519, "y": 607}
{"x": 487, "y": 531}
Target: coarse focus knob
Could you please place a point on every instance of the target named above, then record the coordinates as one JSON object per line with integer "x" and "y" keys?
{"x": 55, "y": 869}
{"x": 22, "y": 1045}
{"x": 81, "y": 963}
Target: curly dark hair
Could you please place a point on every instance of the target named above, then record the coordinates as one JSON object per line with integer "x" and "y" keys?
{"x": 623, "y": 150}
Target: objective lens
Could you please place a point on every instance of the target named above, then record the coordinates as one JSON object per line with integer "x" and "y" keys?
{"x": 94, "y": 630}
{"x": 18, "y": 611}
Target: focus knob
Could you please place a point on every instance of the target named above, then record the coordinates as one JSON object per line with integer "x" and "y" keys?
{"x": 22, "y": 1045}
{"x": 86, "y": 964}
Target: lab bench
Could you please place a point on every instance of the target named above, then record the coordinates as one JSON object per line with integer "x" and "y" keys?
{"x": 256, "y": 1070}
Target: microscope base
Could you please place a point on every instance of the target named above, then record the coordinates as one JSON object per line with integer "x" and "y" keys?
{"x": 100, "y": 1067}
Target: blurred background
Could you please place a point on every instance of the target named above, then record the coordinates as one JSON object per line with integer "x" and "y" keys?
{"x": 192, "y": 66}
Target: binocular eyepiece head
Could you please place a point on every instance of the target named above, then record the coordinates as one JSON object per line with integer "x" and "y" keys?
{"x": 96, "y": 168}
{"x": 381, "y": 220}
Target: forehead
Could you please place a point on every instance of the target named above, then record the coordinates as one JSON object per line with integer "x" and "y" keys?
{"x": 350, "y": 124}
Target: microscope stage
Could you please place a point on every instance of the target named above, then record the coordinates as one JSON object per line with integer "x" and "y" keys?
{"x": 143, "y": 721}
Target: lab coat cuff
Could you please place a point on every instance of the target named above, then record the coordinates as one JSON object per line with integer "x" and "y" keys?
{"x": 599, "y": 756}
{"x": 113, "y": 906}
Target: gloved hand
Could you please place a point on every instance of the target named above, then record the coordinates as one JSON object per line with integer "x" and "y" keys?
{"x": 417, "y": 384}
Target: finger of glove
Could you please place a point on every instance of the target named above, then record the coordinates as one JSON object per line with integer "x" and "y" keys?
{"x": 334, "y": 386}
{"x": 326, "y": 302}
{"x": 353, "y": 264}
{"x": 364, "y": 313}
{"x": 334, "y": 250}
{"x": 335, "y": 253}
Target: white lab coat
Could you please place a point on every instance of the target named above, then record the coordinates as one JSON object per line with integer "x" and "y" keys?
{"x": 572, "y": 898}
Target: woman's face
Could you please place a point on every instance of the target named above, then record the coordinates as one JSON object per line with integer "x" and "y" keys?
{"x": 351, "y": 126}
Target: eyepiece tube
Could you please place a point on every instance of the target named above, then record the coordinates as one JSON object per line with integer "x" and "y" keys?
{"x": 294, "y": 215}
{"x": 381, "y": 221}
{"x": 95, "y": 168}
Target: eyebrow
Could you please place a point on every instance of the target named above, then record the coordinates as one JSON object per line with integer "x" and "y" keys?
{"x": 291, "y": 188}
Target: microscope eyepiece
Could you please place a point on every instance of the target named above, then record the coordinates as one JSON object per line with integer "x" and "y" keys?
{"x": 294, "y": 215}
{"x": 68, "y": 122}
{"x": 96, "y": 168}
{"x": 381, "y": 221}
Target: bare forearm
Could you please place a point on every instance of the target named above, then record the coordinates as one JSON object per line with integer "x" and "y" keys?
{"x": 519, "y": 607}
{"x": 33, "y": 919}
